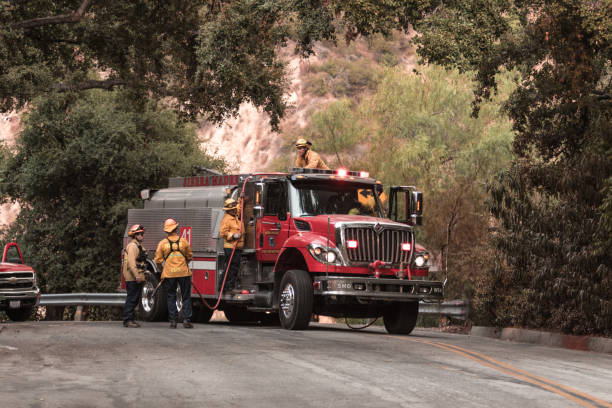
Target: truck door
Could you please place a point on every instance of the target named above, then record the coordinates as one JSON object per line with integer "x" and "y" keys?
{"x": 273, "y": 226}
{"x": 406, "y": 205}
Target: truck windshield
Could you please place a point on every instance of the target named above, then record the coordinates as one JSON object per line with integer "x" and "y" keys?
{"x": 309, "y": 198}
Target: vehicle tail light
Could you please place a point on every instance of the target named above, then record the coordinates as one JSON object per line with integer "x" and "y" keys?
{"x": 352, "y": 244}
{"x": 406, "y": 246}
{"x": 342, "y": 172}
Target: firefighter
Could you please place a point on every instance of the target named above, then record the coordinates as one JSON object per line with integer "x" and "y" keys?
{"x": 133, "y": 273}
{"x": 229, "y": 230}
{"x": 175, "y": 254}
{"x": 308, "y": 158}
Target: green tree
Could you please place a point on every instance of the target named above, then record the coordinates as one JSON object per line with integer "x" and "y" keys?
{"x": 76, "y": 168}
{"x": 336, "y": 129}
{"x": 204, "y": 57}
{"x": 552, "y": 267}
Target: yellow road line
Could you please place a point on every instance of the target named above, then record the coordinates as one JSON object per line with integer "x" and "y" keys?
{"x": 565, "y": 387}
{"x": 525, "y": 376}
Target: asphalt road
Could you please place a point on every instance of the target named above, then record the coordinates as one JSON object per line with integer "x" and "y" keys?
{"x": 101, "y": 364}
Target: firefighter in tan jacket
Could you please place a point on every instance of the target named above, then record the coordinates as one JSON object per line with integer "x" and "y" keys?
{"x": 306, "y": 157}
{"x": 175, "y": 254}
{"x": 230, "y": 231}
{"x": 133, "y": 273}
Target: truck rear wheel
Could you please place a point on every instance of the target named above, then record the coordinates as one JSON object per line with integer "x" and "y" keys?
{"x": 153, "y": 308}
{"x": 19, "y": 315}
{"x": 401, "y": 318}
{"x": 295, "y": 300}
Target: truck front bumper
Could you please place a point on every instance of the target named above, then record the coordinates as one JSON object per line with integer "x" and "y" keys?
{"x": 379, "y": 289}
{"x": 25, "y": 298}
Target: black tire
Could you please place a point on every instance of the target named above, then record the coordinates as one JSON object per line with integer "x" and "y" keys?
{"x": 201, "y": 314}
{"x": 153, "y": 309}
{"x": 295, "y": 300}
{"x": 237, "y": 314}
{"x": 19, "y": 315}
{"x": 400, "y": 318}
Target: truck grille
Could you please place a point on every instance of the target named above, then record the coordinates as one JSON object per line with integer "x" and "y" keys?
{"x": 16, "y": 280}
{"x": 384, "y": 245}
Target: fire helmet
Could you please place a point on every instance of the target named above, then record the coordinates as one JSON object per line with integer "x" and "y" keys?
{"x": 303, "y": 143}
{"x": 170, "y": 225}
{"x": 136, "y": 229}
{"x": 230, "y": 204}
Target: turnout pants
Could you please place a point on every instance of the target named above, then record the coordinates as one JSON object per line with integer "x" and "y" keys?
{"x": 184, "y": 283}
{"x": 134, "y": 291}
{"x": 232, "y": 274}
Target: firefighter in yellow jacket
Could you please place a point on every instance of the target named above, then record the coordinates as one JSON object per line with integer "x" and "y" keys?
{"x": 175, "y": 254}
{"x": 306, "y": 157}
{"x": 232, "y": 236}
{"x": 133, "y": 273}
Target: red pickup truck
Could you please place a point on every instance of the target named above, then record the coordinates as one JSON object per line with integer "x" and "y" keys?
{"x": 19, "y": 292}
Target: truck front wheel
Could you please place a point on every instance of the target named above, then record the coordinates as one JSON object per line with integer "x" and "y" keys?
{"x": 295, "y": 300}
{"x": 153, "y": 307}
{"x": 400, "y": 318}
{"x": 19, "y": 315}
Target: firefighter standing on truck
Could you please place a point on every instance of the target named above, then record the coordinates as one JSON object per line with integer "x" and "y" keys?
{"x": 175, "y": 253}
{"x": 133, "y": 273}
{"x": 308, "y": 158}
{"x": 232, "y": 236}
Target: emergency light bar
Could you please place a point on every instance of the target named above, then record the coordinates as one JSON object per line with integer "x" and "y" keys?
{"x": 341, "y": 172}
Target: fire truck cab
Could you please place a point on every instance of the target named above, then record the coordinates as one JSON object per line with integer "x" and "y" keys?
{"x": 316, "y": 241}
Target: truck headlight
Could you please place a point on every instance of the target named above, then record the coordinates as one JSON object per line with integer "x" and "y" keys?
{"x": 421, "y": 260}
{"x": 324, "y": 254}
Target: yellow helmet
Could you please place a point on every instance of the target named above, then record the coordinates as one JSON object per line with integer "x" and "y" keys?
{"x": 230, "y": 204}
{"x": 136, "y": 229}
{"x": 303, "y": 143}
{"x": 170, "y": 225}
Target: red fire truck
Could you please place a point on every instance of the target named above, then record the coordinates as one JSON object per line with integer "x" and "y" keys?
{"x": 316, "y": 241}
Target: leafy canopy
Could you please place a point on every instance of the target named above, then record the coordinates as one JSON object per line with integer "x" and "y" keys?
{"x": 205, "y": 57}
{"x": 77, "y": 166}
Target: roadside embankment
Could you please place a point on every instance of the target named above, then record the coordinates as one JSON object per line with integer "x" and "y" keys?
{"x": 585, "y": 343}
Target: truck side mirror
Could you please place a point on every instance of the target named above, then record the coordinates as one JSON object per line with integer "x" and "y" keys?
{"x": 406, "y": 205}
{"x": 416, "y": 210}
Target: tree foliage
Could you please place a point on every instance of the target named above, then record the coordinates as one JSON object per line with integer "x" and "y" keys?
{"x": 552, "y": 267}
{"x": 205, "y": 57}
{"x": 77, "y": 166}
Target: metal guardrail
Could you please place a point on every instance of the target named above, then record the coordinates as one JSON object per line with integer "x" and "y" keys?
{"x": 83, "y": 299}
{"x": 457, "y": 309}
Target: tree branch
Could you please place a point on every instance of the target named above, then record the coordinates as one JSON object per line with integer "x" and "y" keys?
{"x": 72, "y": 18}
{"x": 91, "y": 84}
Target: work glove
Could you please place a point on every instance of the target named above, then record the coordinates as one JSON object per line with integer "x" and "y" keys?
{"x": 237, "y": 235}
